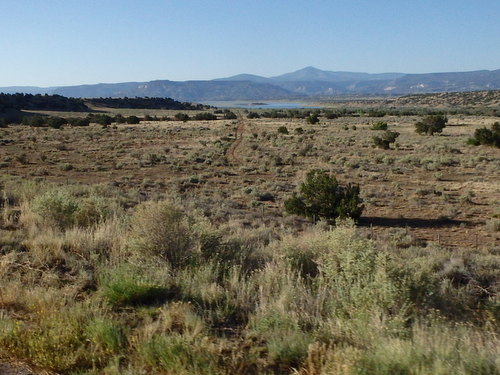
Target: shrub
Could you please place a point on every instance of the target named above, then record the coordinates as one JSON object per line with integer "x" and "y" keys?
{"x": 3, "y": 123}
{"x": 331, "y": 115}
{"x": 312, "y": 119}
{"x": 57, "y": 207}
{"x": 379, "y": 125}
{"x": 162, "y": 230}
{"x": 321, "y": 196}
{"x": 133, "y": 120}
{"x": 205, "y": 116}
{"x": 485, "y": 136}
{"x": 386, "y": 139}
{"x": 100, "y": 119}
{"x": 253, "y": 115}
{"x": 181, "y": 117}
{"x": 119, "y": 119}
{"x": 228, "y": 115}
{"x": 431, "y": 124}
{"x": 282, "y": 130}
{"x": 79, "y": 121}
{"x": 56, "y": 122}
{"x": 35, "y": 121}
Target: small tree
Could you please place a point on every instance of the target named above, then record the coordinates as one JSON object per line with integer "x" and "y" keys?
{"x": 321, "y": 196}
{"x": 253, "y": 115}
{"x": 485, "y": 136}
{"x": 229, "y": 115}
{"x": 181, "y": 117}
{"x": 312, "y": 119}
{"x": 431, "y": 124}
{"x": 133, "y": 120}
{"x": 56, "y": 122}
{"x": 386, "y": 139}
{"x": 282, "y": 130}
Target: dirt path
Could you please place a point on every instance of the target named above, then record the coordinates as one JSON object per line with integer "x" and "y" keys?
{"x": 16, "y": 369}
{"x": 232, "y": 152}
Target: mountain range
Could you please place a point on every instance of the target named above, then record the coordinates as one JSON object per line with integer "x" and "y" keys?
{"x": 305, "y": 83}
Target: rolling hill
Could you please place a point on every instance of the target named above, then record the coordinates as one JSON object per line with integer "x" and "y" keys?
{"x": 303, "y": 83}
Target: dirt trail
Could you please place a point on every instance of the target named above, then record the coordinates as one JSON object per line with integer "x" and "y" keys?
{"x": 232, "y": 152}
{"x": 17, "y": 369}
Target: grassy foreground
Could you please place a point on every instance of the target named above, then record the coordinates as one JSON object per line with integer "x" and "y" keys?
{"x": 94, "y": 282}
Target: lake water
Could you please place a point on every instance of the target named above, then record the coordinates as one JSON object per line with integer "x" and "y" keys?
{"x": 261, "y": 105}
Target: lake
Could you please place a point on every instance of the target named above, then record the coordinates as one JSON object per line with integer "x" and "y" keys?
{"x": 260, "y": 104}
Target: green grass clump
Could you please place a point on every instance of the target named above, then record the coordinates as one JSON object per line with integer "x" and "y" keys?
{"x": 122, "y": 286}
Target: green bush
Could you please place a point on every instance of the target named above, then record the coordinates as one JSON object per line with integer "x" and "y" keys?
{"x": 132, "y": 120}
{"x": 321, "y": 196}
{"x": 35, "y": 121}
{"x": 379, "y": 125}
{"x": 253, "y": 115}
{"x": 207, "y": 116}
{"x": 431, "y": 124}
{"x": 485, "y": 136}
{"x": 312, "y": 119}
{"x": 57, "y": 207}
{"x": 229, "y": 115}
{"x": 119, "y": 119}
{"x": 386, "y": 139}
{"x": 79, "y": 121}
{"x": 56, "y": 122}
{"x": 181, "y": 117}
{"x": 282, "y": 130}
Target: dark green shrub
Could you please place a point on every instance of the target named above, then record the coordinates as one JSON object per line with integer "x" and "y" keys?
{"x": 485, "y": 136}
{"x": 321, "y": 196}
{"x": 379, "y": 125}
{"x": 331, "y": 115}
{"x": 133, "y": 120}
{"x": 282, "y": 130}
{"x": 35, "y": 121}
{"x": 3, "y": 123}
{"x": 431, "y": 124}
{"x": 228, "y": 115}
{"x": 119, "y": 119}
{"x": 79, "y": 121}
{"x": 386, "y": 139}
{"x": 56, "y": 122}
{"x": 207, "y": 116}
{"x": 253, "y": 115}
{"x": 182, "y": 117}
{"x": 312, "y": 119}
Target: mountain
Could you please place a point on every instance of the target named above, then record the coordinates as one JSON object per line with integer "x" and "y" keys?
{"x": 193, "y": 91}
{"x": 303, "y": 83}
{"x": 313, "y": 74}
{"x": 247, "y": 77}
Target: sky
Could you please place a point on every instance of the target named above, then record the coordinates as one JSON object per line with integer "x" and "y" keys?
{"x": 69, "y": 42}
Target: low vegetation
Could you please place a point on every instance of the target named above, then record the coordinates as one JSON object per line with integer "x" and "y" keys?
{"x": 165, "y": 247}
{"x": 157, "y": 288}
{"x": 485, "y": 136}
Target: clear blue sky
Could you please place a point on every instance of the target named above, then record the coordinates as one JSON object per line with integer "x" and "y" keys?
{"x": 63, "y": 42}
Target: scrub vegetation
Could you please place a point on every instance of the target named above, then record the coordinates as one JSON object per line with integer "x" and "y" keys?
{"x": 164, "y": 247}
